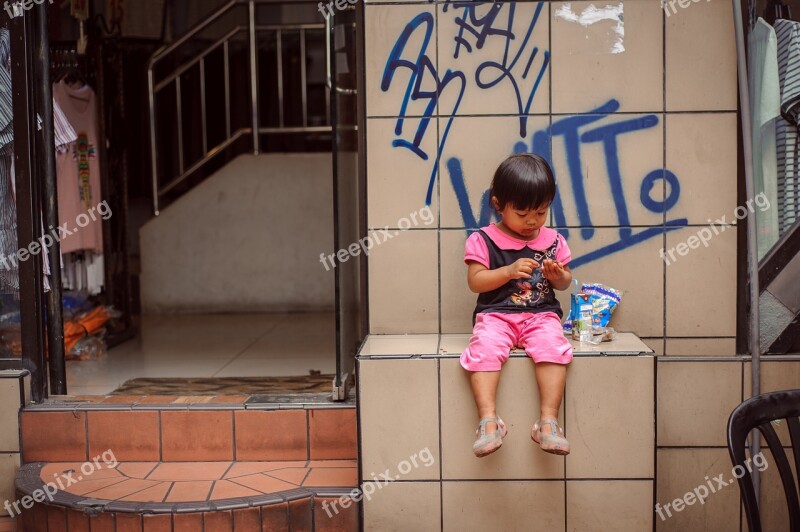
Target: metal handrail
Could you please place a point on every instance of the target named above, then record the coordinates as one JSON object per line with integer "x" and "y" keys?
{"x": 254, "y": 129}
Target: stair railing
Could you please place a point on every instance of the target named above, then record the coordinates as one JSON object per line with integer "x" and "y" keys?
{"x": 253, "y": 129}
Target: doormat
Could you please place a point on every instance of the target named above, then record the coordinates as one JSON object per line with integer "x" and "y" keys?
{"x": 227, "y": 385}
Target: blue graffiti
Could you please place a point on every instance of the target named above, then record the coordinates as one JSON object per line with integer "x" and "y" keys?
{"x": 426, "y": 86}
{"x": 569, "y": 130}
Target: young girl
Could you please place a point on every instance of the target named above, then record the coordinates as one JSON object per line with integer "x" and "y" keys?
{"x": 514, "y": 266}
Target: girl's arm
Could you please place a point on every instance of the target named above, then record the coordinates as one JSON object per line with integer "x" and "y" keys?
{"x": 481, "y": 279}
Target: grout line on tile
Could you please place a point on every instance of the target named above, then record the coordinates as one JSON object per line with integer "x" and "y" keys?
{"x": 151, "y": 471}
{"x": 233, "y": 436}
{"x": 86, "y": 432}
{"x": 439, "y": 397}
{"x": 228, "y": 469}
{"x": 308, "y": 434}
{"x": 160, "y": 440}
{"x": 251, "y": 344}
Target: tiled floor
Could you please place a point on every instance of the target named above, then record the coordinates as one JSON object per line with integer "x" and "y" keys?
{"x": 218, "y": 345}
{"x": 152, "y": 482}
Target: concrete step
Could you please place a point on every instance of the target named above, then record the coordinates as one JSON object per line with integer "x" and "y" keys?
{"x": 234, "y": 496}
{"x": 186, "y": 463}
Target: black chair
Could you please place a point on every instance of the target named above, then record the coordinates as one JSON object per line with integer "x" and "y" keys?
{"x": 759, "y": 412}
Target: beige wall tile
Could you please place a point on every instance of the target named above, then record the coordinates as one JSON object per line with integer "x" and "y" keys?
{"x": 397, "y": 179}
{"x": 656, "y": 344}
{"x": 402, "y": 506}
{"x": 619, "y": 505}
{"x": 701, "y": 152}
{"x": 450, "y": 344}
{"x": 637, "y": 271}
{"x": 695, "y": 400}
{"x": 9, "y": 414}
{"x": 403, "y": 284}
{"x": 701, "y": 285}
{"x": 707, "y": 80}
{"x": 498, "y": 506}
{"x": 637, "y": 154}
{"x": 680, "y": 471}
{"x": 383, "y": 25}
{"x": 478, "y": 156}
{"x": 400, "y": 344}
{"x": 587, "y": 73}
{"x": 399, "y": 415}
{"x": 463, "y": 52}
{"x": 775, "y": 376}
{"x": 458, "y": 302}
{"x": 701, "y": 347}
{"x": 517, "y": 406}
{"x": 625, "y": 403}
{"x": 9, "y": 465}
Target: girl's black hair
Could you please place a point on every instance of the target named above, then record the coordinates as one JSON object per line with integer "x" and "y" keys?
{"x": 524, "y": 180}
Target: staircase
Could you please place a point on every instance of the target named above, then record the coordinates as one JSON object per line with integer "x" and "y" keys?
{"x": 778, "y": 274}
{"x": 226, "y": 463}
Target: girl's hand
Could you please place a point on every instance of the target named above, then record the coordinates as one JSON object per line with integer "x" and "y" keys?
{"x": 553, "y": 271}
{"x": 521, "y": 269}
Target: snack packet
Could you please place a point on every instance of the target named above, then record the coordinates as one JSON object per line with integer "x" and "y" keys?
{"x": 594, "y": 303}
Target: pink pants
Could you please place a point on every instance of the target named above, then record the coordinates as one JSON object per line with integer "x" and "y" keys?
{"x": 495, "y": 333}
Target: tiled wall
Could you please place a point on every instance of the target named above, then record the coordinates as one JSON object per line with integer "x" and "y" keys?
{"x": 606, "y": 483}
{"x": 643, "y": 430}
{"x": 638, "y": 118}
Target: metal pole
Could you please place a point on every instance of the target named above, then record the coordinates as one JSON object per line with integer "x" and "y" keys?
{"x": 253, "y": 76}
{"x": 28, "y": 205}
{"x": 752, "y": 246}
{"x": 44, "y": 103}
{"x": 151, "y": 103}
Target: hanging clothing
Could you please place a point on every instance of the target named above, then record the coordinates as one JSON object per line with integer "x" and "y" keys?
{"x": 9, "y": 276}
{"x": 83, "y": 271}
{"x": 79, "y": 169}
{"x": 764, "y": 108}
{"x": 787, "y": 145}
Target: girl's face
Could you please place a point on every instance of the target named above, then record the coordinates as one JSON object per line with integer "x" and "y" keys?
{"x": 523, "y": 222}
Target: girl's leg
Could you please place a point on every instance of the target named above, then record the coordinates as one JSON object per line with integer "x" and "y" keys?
{"x": 551, "y": 379}
{"x": 489, "y": 346}
{"x": 484, "y": 389}
{"x": 545, "y": 343}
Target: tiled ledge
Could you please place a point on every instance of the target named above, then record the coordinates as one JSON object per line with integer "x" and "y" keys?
{"x": 452, "y": 345}
{"x": 414, "y": 396}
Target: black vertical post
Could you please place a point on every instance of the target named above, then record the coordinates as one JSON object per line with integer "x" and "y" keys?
{"x": 28, "y": 205}
{"x": 47, "y": 169}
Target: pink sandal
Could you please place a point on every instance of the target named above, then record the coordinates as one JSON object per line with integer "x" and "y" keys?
{"x": 486, "y": 444}
{"x": 555, "y": 442}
